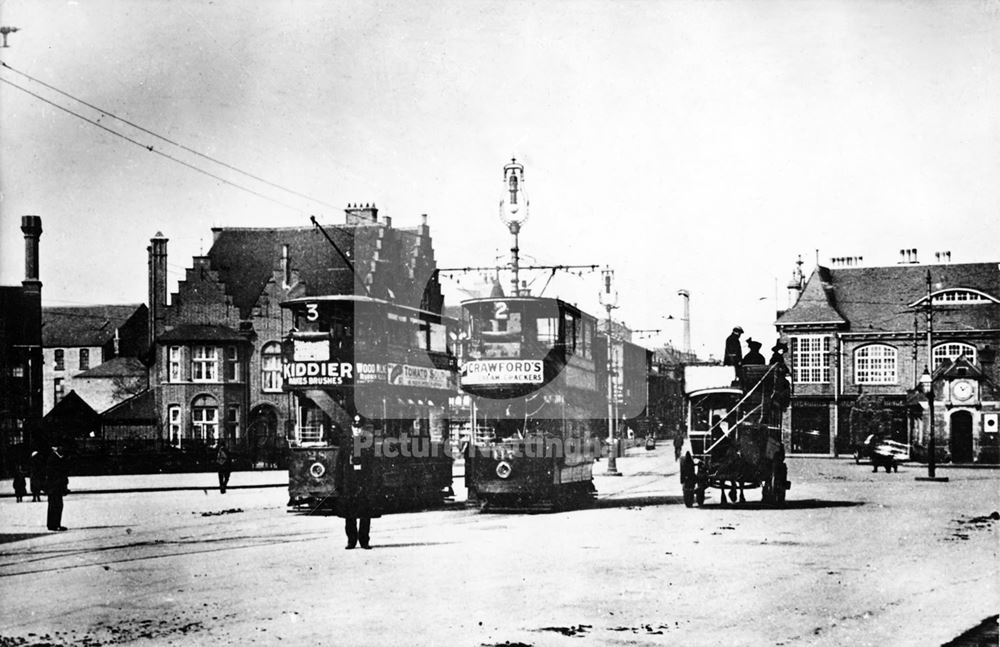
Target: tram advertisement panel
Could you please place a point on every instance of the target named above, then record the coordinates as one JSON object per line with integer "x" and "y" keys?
{"x": 311, "y": 363}
{"x": 512, "y": 371}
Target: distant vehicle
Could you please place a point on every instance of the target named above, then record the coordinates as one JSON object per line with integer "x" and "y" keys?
{"x": 882, "y": 452}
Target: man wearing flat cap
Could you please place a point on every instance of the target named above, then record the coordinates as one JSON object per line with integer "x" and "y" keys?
{"x": 734, "y": 351}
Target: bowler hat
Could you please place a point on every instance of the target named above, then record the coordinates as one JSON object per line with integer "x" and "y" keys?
{"x": 737, "y": 329}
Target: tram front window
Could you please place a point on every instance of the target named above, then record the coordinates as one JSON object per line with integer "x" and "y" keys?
{"x": 314, "y": 427}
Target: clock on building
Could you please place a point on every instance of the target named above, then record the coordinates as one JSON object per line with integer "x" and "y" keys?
{"x": 962, "y": 390}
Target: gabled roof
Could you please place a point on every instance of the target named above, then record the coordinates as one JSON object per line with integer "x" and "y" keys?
{"x": 71, "y": 414}
{"x": 116, "y": 367}
{"x": 84, "y": 325}
{"x": 200, "y": 332}
{"x": 879, "y": 298}
{"x": 246, "y": 259}
{"x": 817, "y": 305}
{"x": 140, "y": 407}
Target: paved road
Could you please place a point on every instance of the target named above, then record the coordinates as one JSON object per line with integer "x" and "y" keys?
{"x": 857, "y": 558}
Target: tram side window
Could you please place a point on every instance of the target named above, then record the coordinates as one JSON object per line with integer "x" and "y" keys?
{"x": 547, "y": 329}
{"x": 587, "y": 339}
{"x": 438, "y": 338}
{"x": 570, "y": 331}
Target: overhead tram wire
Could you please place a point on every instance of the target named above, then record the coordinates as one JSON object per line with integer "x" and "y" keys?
{"x": 152, "y": 149}
{"x": 166, "y": 139}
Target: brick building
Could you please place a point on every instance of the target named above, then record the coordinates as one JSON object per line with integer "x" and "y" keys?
{"x": 217, "y": 341}
{"x": 76, "y": 340}
{"x": 21, "y": 354}
{"x": 858, "y": 344}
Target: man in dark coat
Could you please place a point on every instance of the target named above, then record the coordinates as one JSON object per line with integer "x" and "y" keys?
{"x": 37, "y": 475}
{"x": 56, "y": 484}
{"x": 734, "y": 351}
{"x": 355, "y": 484}
{"x": 753, "y": 356}
{"x": 225, "y": 466}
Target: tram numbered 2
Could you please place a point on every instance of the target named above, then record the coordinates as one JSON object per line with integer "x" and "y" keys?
{"x": 351, "y": 355}
{"x": 536, "y": 399}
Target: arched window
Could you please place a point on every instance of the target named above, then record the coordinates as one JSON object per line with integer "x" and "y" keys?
{"x": 951, "y": 351}
{"x": 205, "y": 418}
{"x": 875, "y": 364}
{"x": 270, "y": 368}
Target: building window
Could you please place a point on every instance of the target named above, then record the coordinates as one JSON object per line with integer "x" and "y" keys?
{"x": 232, "y": 364}
{"x": 951, "y": 351}
{"x": 84, "y": 359}
{"x": 205, "y": 419}
{"x": 174, "y": 360}
{"x": 174, "y": 425}
{"x": 57, "y": 388}
{"x": 233, "y": 422}
{"x": 811, "y": 359}
{"x": 205, "y": 364}
{"x": 270, "y": 368}
{"x": 875, "y": 364}
{"x": 60, "y": 359}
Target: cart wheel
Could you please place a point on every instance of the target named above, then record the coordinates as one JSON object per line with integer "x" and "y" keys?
{"x": 699, "y": 496}
{"x": 688, "y": 497}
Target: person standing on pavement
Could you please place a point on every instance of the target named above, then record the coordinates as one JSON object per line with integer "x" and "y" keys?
{"x": 354, "y": 482}
{"x": 678, "y": 445}
{"x": 20, "y": 486}
{"x": 225, "y": 466}
{"x": 37, "y": 476}
{"x": 56, "y": 486}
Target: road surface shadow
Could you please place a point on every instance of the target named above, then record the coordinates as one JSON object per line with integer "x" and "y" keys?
{"x": 790, "y": 504}
{"x": 411, "y": 544}
{"x": 6, "y": 538}
{"x": 634, "y": 501}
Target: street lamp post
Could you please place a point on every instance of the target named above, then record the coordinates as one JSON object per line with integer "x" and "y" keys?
{"x": 927, "y": 386}
{"x": 513, "y": 213}
{"x": 609, "y": 299}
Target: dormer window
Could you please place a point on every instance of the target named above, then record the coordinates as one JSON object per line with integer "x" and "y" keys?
{"x": 956, "y": 297}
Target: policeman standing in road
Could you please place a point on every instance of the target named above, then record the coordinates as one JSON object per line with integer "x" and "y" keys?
{"x": 354, "y": 482}
{"x": 225, "y": 466}
{"x": 56, "y": 486}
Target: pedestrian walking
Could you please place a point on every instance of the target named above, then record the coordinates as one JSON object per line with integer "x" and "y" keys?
{"x": 20, "y": 483}
{"x": 56, "y": 486}
{"x": 37, "y": 476}
{"x": 224, "y": 463}
{"x": 356, "y": 490}
{"x": 678, "y": 445}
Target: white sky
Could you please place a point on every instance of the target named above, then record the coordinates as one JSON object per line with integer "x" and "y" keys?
{"x": 696, "y": 145}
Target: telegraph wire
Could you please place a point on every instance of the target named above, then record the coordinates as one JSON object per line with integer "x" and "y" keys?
{"x": 166, "y": 139}
{"x": 152, "y": 149}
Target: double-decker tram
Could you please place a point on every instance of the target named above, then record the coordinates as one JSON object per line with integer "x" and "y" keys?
{"x": 532, "y": 369}
{"x": 390, "y": 365}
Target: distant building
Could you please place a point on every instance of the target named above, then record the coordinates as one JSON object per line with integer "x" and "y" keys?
{"x": 217, "y": 341}
{"x": 78, "y": 339}
{"x": 21, "y": 354}
{"x": 858, "y": 344}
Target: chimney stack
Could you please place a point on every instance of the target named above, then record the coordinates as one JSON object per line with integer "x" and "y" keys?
{"x": 686, "y": 296}
{"x": 358, "y": 214}
{"x": 32, "y": 228}
{"x": 157, "y": 285}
